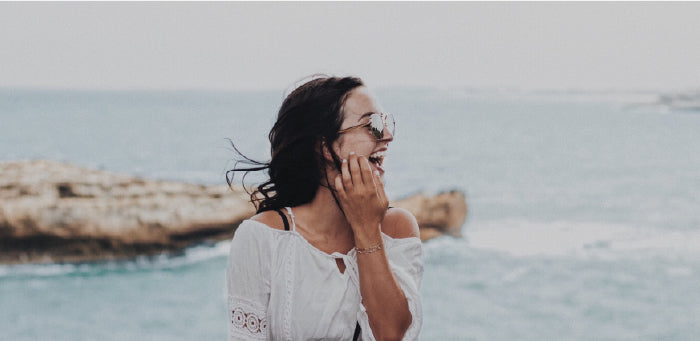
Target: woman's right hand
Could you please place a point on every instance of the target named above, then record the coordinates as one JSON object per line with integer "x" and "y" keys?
{"x": 363, "y": 199}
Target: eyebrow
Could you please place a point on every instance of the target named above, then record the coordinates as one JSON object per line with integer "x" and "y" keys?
{"x": 367, "y": 114}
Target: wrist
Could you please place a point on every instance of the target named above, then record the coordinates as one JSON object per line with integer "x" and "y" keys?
{"x": 368, "y": 250}
{"x": 368, "y": 237}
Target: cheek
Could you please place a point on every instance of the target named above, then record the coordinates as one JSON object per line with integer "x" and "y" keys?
{"x": 359, "y": 146}
{"x": 338, "y": 146}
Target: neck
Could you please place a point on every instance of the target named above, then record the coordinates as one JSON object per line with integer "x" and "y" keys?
{"x": 322, "y": 215}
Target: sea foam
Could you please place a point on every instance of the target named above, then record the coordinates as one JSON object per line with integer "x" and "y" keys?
{"x": 581, "y": 239}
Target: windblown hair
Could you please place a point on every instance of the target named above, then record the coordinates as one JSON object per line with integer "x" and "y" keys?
{"x": 308, "y": 119}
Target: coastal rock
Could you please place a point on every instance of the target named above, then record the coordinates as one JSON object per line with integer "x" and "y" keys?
{"x": 51, "y": 211}
{"x": 689, "y": 100}
{"x": 55, "y": 212}
{"x": 441, "y": 214}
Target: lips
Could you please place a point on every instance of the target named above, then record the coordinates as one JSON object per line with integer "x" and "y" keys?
{"x": 376, "y": 159}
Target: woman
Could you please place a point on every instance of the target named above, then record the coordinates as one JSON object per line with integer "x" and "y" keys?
{"x": 325, "y": 257}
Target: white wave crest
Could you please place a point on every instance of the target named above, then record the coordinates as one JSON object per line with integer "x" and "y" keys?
{"x": 581, "y": 239}
{"x": 189, "y": 256}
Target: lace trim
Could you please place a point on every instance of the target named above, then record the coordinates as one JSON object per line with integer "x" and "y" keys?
{"x": 247, "y": 318}
{"x": 291, "y": 256}
{"x": 290, "y": 292}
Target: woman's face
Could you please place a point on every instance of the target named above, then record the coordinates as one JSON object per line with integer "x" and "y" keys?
{"x": 358, "y": 106}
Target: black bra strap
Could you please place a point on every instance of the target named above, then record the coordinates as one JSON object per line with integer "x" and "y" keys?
{"x": 357, "y": 332}
{"x": 284, "y": 219}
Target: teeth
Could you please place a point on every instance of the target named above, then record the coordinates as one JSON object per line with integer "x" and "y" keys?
{"x": 377, "y": 158}
{"x": 377, "y": 155}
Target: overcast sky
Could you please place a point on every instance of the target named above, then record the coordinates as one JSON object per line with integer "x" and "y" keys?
{"x": 270, "y": 45}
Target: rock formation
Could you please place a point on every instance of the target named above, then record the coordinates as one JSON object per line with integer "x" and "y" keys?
{"x": 440, "y": 214}
{"x": 54, "y": 212}
{"x": 689, "y": 100}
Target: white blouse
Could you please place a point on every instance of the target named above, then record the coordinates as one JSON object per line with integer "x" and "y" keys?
{"x": 280, "y": 287}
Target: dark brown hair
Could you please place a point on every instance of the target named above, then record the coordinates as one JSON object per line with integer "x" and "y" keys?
{"x": 309, "y": 117}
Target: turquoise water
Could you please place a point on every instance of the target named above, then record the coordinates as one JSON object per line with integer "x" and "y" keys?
{"x": 582, "y": 222}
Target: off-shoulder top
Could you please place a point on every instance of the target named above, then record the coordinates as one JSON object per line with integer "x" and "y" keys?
{"x": 280, "y": 287}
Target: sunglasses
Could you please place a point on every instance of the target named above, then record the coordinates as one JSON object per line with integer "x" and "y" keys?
{"x": 377, "y": 123}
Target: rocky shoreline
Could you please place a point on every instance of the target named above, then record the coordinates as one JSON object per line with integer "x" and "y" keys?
{"x": 56, "y": 212}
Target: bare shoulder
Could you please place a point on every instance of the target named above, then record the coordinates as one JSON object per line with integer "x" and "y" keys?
{"x": 400, "y": 223}
{"x": 269, "y": 218}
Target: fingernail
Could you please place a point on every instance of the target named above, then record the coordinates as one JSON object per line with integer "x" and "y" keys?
{"x": 352, "y": 153}
{"x": 376, "y": 172}
{"x": 344, "y": 161}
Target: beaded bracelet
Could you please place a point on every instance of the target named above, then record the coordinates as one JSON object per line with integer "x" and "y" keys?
{"x": 370, "y": 249}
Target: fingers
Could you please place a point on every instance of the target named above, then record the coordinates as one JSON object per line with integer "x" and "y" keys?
{"x": 357, "y": 175}
{"x": 354, "y": 164}
{"x": 345, "y": 175}
{"x": 360, "y": 191}
{"x": 339, "y": 186}
{"x": 366, "y": 170}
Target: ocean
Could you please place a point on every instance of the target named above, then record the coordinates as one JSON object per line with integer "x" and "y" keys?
{"x": 583, "y": 218}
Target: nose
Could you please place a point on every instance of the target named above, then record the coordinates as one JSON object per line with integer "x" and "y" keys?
{"x": 387, "y": 136}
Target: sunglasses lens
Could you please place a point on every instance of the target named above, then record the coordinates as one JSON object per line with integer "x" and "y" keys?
{"x": 390, "y": 123}
{"x": 376, "y": 126}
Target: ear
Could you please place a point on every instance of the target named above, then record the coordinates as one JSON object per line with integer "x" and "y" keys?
{"x": 325, "y": 149}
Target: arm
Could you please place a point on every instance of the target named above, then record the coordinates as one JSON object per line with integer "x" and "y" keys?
{"x": 364, "y": 202}
{"x": 387, "y": 283}
{"x": 248, "y": 285}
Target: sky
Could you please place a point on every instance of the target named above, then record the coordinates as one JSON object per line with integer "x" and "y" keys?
{"x": 253, "y": 46}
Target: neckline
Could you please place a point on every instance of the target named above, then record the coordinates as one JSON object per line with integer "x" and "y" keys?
{"x": 334, "y": 255}
{"x": 350, "y": 253}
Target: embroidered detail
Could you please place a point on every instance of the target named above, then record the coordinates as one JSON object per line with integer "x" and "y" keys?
{"x": 247, "y": 319}
{"x": 238, "y": 318}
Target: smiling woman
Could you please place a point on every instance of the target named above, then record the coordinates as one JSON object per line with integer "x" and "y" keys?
{"x": 325, "y": 257}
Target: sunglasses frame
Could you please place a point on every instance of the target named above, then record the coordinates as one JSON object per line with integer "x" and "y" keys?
{"x": 382, "y": 116}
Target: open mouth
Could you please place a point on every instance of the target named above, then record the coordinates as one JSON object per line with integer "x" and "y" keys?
{"x": 377, "y": 158}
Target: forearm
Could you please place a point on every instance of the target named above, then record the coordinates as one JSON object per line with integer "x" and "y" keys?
{"x": 383, "y": 298}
